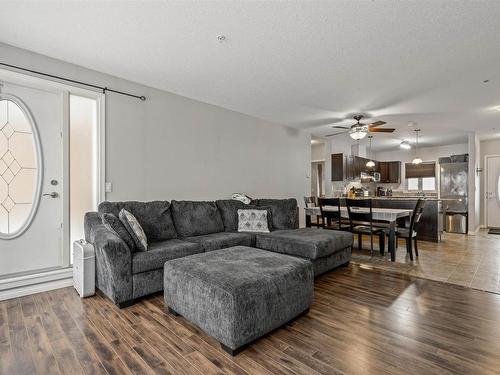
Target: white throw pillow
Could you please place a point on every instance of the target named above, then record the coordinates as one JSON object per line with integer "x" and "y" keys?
{"x": 251, "y": 220}
{"x": 134, "y": 228}
{"x": 241, "y": 197}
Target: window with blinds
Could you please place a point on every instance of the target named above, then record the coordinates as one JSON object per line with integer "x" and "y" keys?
{"x": 420, "y": 177}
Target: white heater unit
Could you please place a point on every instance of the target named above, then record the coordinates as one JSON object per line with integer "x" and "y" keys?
{"x": 84, "y": 268}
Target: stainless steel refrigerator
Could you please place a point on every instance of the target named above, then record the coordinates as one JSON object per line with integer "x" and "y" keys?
{"x": 453, "y": 192}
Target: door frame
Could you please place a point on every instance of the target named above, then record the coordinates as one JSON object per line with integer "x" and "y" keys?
{"x": 64, "y": 90}
{"x": 485, "y": 183}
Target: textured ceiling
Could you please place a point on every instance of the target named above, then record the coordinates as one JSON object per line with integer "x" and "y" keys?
{"x": 302, "y": 64}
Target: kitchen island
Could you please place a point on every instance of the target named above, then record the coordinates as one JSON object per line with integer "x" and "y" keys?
{"x": 430, "y": 226}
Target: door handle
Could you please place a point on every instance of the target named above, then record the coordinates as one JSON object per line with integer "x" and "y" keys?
{"x": 52, "y": 195}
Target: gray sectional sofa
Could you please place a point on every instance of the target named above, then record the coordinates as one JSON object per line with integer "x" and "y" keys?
{"x": 182, "y": 228}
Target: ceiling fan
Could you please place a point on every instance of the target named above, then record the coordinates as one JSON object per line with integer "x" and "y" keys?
{"x": 359, "y": 130}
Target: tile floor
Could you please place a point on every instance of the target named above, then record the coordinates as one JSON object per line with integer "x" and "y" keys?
{"x": 467, "y": 260}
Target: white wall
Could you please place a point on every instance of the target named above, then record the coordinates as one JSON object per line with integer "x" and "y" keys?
{"x": 172, "y": 147}
{"x": 318, "y": 152}
{"x": 490, "y": 147}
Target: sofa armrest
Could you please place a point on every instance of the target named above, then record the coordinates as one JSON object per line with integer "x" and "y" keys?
{"x": 113, "y": 265}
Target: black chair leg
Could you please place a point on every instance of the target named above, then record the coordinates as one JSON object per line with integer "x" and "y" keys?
{"x": 408, "y": 248}
{"x": 371, "y": 244}
{"x": 360, "y": 241}
{"x": 416, "y": 247}
{"x": 381, "y": 243}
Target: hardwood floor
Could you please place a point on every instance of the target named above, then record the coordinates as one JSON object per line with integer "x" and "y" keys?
{"x": 362, "y": 322}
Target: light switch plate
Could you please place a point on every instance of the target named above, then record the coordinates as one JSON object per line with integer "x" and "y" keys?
{"x": 108, "y": 187}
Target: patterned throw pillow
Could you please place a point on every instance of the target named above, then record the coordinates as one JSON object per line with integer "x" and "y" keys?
{"x": 135, "y": 229}
{"x": 242, "y": 198}
{"x": 114, "y": 225}
{"x": 252, "y": 220}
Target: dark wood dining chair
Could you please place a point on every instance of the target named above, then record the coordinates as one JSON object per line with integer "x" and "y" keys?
{"x": 332, "y": 219}
{"x": 312, "y": 202}
{"x": 360, "y": 213}
{"x": 410, "y": 233}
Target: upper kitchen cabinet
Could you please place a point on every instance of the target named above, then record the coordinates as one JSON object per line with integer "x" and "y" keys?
{"x": 338, "y": 167}
{"x": 390, "y": 172}
{"x": 344, "y": 167}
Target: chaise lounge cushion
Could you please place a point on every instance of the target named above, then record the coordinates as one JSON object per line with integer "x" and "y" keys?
{"x": 194, "y": 218}
{"x": 222, "y": 240}
{"x": 155, "y": 217}
{"x": 309, "y": 243}
{"x": 284, "y": 212}
{"x": 160, "y": 252}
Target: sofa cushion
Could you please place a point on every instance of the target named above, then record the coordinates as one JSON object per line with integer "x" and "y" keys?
{"x": 196, "y": 218}
{"x": 155, "y": 217}
{"x": 309, "y": 243}
{"x": 113, "y": 224}
{"x": 135, "y": 230}
{"x": 228, "y": 209}
{"x": 159, "y": 252}
{"x": 283, "y": 212}
{"x": 222, "y": 240}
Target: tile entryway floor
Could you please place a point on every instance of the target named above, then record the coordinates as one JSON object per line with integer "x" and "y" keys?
{"x": 467, "y": 260}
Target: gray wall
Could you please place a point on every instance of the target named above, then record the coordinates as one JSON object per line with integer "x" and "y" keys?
{"x": 172, "y": 147}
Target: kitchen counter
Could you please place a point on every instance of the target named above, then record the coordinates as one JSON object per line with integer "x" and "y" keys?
{"x": 404, "y": 198}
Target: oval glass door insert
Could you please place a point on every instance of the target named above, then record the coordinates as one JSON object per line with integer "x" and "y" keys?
{"x": 20, "y": 167}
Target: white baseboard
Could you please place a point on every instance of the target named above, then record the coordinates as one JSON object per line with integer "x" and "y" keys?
{"x": 36, "y": 283}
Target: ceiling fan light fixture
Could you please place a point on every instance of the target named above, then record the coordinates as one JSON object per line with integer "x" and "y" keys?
{"x": 358, "y": 132}
{"x": 405, "y": 144}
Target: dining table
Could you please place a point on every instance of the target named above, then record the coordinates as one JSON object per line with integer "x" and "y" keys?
{"x": 384, "y": 215}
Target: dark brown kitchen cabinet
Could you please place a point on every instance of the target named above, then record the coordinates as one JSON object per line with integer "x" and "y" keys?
{"x": 338, "y": 167}
{"x": 390, "y": 172}
{"x": 395, "y": 172}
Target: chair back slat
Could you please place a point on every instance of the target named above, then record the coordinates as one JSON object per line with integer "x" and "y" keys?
{"x": 360, "y": 211}
{"x": 417, "y": 214}
{"x": 330, "y": 214}
{"x": 310, "y": 201}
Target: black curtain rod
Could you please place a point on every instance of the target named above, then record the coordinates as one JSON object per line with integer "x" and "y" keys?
{"x": 103, "y": 89}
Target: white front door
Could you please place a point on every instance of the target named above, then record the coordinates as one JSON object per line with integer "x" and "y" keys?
{"x": 31, "y": 186}
{"x": 493, "y": 191}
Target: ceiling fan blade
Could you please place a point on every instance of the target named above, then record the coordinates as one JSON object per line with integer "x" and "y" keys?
{"x": 334, "y": 134}
{"x": 377, "y": 123}
{"x": 382, "y": 130}
{"x": 340, "y": 127}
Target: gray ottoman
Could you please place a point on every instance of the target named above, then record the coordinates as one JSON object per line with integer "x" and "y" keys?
{"x": 326, "y": 248}
{"x": 238, "y": 294}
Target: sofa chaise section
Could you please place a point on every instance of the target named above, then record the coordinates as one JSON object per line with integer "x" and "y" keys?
{"x": 325, "y": 248}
